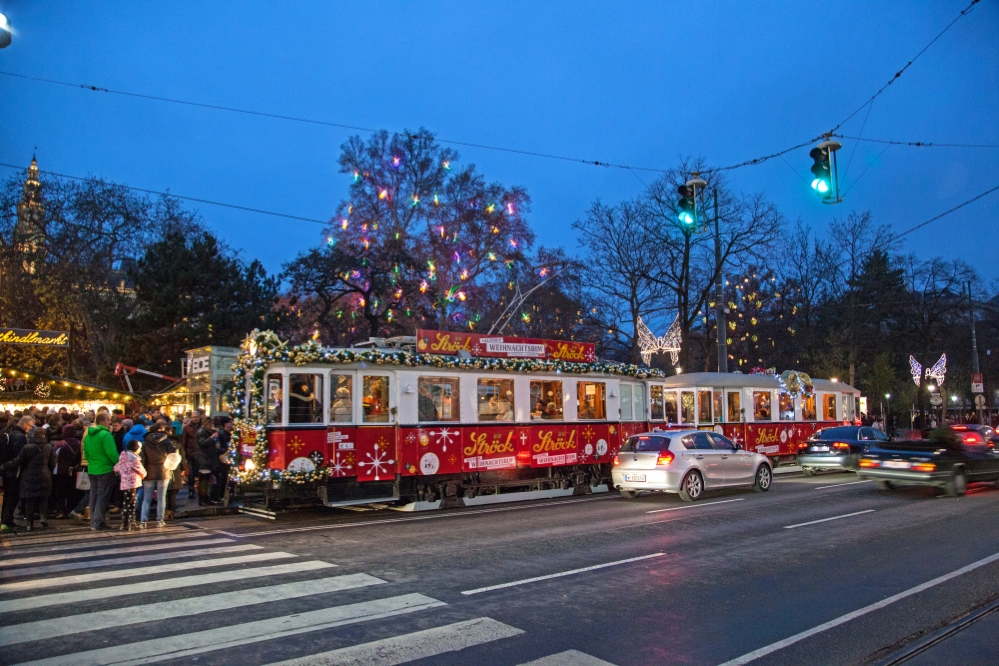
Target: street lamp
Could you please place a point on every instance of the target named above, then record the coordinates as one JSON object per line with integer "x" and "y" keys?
{"x": 5, "y": 32}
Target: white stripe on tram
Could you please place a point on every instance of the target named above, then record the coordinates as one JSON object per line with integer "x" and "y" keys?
{"x": 185, "y": 645}
{"x": 117, "y": 561}
{"x": 413, "y": 646}
{"x": 112, "y": 551}
{"x": 117, "y": 617}
{"x": 40, "y": 583}
{"x": 92, "y": 594}
{"x": 568, "y": 658}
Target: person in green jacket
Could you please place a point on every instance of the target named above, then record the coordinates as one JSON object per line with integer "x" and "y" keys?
{"x": 101, "y": 454}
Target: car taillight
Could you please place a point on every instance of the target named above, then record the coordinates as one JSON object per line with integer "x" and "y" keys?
{"x": 803, "y": 445}
{"x": 842, "y": 446}
{"x": 617, "y": 461}
{"x": 665, "y": 458}
{"x": 867, "y": 462}
{"x": 972, "y": 438}
{"x": 924, "y": 467}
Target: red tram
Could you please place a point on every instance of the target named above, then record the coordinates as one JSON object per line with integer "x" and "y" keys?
{"x": 447, "y": 419}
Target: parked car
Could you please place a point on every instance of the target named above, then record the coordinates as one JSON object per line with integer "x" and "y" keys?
{"x": 687, "y": 462}
{"x": 949, "y": 460}
{"x": 837, "y": 448}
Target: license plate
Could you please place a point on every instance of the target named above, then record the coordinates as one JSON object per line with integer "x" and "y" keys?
{"x": 634, "y": 477}
{"x": 895, "y": 464}
{"x": 820, "y": 448}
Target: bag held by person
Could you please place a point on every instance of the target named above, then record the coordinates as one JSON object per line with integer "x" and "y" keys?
{"x": 172, "y": 461}
{"x": 82, "y": 480}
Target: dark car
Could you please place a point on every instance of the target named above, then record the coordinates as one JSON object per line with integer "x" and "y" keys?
{"x": 837, "y": 448}
{"x": 972, "y": 433}
{"x": 950, "y": 459}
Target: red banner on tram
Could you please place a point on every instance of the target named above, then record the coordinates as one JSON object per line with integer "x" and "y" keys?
{"x": 450, "y": 343}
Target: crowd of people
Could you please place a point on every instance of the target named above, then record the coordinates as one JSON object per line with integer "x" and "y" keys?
{"x": 98, "y": 466}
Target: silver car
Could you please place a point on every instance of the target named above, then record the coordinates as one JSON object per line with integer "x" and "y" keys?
{"x": 686, "y": 462}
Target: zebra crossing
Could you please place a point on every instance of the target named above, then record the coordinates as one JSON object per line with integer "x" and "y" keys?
{"x": 187, "y": 596}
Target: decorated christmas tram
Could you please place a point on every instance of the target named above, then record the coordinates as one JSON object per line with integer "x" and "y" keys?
{"x": 451, "y": 419}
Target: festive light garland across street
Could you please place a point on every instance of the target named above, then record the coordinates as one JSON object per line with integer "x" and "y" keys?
{"x": 262, "y": 348}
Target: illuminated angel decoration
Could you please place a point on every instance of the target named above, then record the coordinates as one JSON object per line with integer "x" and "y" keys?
{"x": 937, "y": 372}
{"x": 650, "y": 344}
{"x": 795, "y": 382}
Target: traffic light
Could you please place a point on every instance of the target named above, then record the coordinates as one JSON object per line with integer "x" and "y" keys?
{"x": 822, "y": 183}
{"x": 686, "y": 211}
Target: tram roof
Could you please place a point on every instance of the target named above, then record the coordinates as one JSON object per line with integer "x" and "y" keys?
{"x": 737, "y": 380}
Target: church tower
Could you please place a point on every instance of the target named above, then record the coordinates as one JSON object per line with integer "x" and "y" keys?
{"x": 29, "y": 232}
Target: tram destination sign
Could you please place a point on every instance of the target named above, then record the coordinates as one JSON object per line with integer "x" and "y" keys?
{"x": 451, "y": 343}
{"x": 24, "y": 336}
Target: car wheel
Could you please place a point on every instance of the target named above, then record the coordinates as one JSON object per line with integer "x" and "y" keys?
{"x": 809, "y": 471}
{"x": 958, "y": 484}
{"x": 691, "y": 487}
{"x": 763, "y": 478}
{"x": 629, "y": 494}
{"x": 883, "y": 485}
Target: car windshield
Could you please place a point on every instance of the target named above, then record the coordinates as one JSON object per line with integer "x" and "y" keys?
{"x": 849, "y": 432}
{"x": 645, "y": 443}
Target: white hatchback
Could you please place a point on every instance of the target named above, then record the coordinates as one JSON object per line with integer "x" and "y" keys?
{"x": 687, "y": 462}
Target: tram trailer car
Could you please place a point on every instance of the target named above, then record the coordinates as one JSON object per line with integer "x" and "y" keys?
{"x": 423, "y": 437}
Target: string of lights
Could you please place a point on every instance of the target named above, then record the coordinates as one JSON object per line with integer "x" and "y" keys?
{"x": 181, "y": 196}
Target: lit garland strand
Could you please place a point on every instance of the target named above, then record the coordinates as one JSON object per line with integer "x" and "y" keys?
{"x": 262, "y": 348}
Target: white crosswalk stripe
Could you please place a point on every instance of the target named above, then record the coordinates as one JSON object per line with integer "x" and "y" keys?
{"x": 107, "y": 541}
{"x": 143, "y": 627}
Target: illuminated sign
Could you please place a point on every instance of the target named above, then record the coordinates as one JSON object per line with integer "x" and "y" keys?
{"x": 23, "y": 336}
{"x": 450, "y": 343}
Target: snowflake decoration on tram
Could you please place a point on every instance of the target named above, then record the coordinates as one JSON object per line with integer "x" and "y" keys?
{"x": 444, "y": 436}
{"x": 378, "y": 462}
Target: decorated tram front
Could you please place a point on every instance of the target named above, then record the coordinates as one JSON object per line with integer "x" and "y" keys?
{"x": 450, "y": 417}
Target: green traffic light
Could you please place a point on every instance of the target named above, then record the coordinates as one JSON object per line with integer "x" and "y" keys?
{"x": 686, "y": 218}
{"x": 820, "y": 185}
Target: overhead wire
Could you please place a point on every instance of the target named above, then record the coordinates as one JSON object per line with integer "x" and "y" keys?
{"x": 918, "y": 144}
{"x": 945, "y": 213}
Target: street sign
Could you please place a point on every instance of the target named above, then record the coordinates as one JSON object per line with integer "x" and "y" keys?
{"x": 936, "y": 400}
{"x": 977, "y": 386}
{"x": 980, "y": 401}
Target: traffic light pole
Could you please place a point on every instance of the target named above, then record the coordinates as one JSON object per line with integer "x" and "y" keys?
{"x": 719, "y": 294}
{"x": 974, "y": 353}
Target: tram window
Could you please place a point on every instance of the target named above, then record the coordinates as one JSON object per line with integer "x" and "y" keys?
{"x": 656, "y": 402}
{"x": 305, "y": 398}
{"x": 546, "y": 400}
{"x": 645, "y": 443}
{"x": 761, "y": 405}
{"x": 687, "y": 405}
{"x": 734, "y": 407}
{"x": 718, "y": 407}
{"x": 704, "y": 406}
{"x": 785, "y": 405}
{"x": 669, "y": 404}
{"x": 639, "y": 399}
{"x": 627, "y": 409}
{"x": 495, "y": 399}
{"x": 439, "y": 399}
{"x": 847, "y": 406}
{"x": 342, "y": 393}
{"x": 591, "y": 401}
{"x": 808, "y": 407}
{"x": 273, "y": 395}
{"x": 830, "y": 407}
{"x": 376, "y": 398}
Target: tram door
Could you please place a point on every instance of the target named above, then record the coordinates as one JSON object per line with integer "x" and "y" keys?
{"x": 377, "y": 455}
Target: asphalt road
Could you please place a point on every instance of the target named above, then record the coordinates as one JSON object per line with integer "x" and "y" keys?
{"x": 735, "y": 575}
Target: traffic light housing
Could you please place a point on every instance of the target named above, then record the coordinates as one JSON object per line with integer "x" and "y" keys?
{"x": 686, "y": 206}
{"x": 822, "y": 171}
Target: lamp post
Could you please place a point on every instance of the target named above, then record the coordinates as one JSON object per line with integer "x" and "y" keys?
{"x": 5, "y": 32}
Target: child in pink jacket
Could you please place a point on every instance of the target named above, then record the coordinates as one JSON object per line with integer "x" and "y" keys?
{"x": 132, "y": 473}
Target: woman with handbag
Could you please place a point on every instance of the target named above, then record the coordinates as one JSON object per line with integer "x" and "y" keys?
{"x": 158, "y": 455}
{"x": 68, "y": 456}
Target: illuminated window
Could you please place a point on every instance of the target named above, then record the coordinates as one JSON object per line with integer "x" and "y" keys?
{"x": 734, "y": 407}
{"x": 305, "y": 398}
{"x": 669, "y": 402}
{"x": 342, "y": 396}
{"x": 438, "y": 399}
{"x": 830, "y": 407}
{"x": 273, "y": 397}
{"x": 656, "y": 402}
{"x": 687, "y": 406}
{"x": 718, "y": 407}
{"x": 704, "y": 406}
{"x": 761, "y": 406}
{"x": 808, "y": 407}
{"x": 495, "y": 399}
{"x": 591, "y": 401}
{"x": 785, "y": 405}
{"x": 546, "y": 400}
{"x": 376, "y": 399}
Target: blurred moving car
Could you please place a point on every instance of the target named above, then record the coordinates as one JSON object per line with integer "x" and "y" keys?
{"x": 950, "y": 459}
{"x": 837, "y": 448}
{"x": 687, "y": 462}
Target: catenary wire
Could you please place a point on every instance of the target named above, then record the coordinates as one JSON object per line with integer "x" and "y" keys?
{"x": 866, "y": 169}
{"x": 947, "y": 212}
{"x": 919, "y": 144}
{"x": 180, "y": 196}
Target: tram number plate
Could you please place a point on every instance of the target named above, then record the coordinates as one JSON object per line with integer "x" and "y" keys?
{"x": 896, "y": 464}
{"x": 634, "y": 477}
{"x": 820, "y": 448}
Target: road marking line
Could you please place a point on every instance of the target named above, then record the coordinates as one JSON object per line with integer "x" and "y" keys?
{"x": 837, "y": 485}
{"x": 135, "y": 559}
{"x": 456, "y": 514}
{"x": 561, "y": 573}
{"x": 84, "y": 537}
{"x": 410, "y": 647}
{"x": 24, "y": 585}
{"x": 112, "y": 551}
{"x": 691, "y": 506}
{"x": 568, "y": 658}
{"x": 824, "y": 520}
{"x": 842, "y": 619}
{"x": 92, "y": 594}
{"x": 107, "y": 542}
{"x": 184, "y": 645}
{"x": 74, "y": 624}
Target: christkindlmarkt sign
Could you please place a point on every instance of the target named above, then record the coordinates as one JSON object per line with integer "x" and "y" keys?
{"x": 23, "y": 336}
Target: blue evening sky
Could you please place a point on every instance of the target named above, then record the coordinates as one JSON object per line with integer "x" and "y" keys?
{"x": 625, "y": 82}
